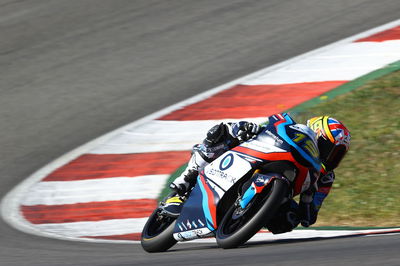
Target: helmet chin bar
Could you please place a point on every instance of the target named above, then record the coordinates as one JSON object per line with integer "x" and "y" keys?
{"x": 335, "y": 157}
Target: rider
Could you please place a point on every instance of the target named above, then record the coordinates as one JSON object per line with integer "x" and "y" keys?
{"x": 333, "y": 140}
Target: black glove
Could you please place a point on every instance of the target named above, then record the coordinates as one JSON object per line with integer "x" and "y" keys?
{"x": 247, "y": 130}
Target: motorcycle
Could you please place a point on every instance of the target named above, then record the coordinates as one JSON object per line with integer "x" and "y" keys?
{"x": 242, "y": 190}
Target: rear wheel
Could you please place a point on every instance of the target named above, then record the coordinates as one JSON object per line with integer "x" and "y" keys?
{"x": 239, "y": 225}
{"x": 157, "y": 234}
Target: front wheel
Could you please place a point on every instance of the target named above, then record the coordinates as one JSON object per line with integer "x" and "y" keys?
{"x": 157, "y": 234}
{"x": 239, "y": 225}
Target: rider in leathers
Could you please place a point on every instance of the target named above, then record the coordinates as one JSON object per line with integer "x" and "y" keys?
{"x": 226, "y": 136}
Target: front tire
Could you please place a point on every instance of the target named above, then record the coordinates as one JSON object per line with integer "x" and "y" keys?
{"x": 157, "y": 234}
{"x": 239, "y": 225}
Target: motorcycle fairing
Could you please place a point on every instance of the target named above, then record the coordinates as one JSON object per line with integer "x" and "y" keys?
{"x": 194, "y": 220}
{"x": 198, "y": 217}
{"x": 285, "y": 126}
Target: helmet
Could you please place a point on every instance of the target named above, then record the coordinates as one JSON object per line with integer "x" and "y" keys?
{"x": 333, "y": 140}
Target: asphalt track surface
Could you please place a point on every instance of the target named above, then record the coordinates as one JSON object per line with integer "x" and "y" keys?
{"x": 71, "y": 71}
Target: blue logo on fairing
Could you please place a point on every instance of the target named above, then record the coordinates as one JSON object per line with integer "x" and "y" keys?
{"x": 226, "y": 162}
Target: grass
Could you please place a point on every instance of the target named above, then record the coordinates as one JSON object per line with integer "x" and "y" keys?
{"x": 366, "y": 190}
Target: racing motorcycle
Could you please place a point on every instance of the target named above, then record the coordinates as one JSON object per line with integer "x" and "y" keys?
{"x": 242, "y": 190}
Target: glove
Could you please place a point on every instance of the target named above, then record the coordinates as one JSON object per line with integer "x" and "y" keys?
{"x": 247, "y": 130}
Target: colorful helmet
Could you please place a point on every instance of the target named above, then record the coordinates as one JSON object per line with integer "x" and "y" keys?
{"x": 333, "y": 140}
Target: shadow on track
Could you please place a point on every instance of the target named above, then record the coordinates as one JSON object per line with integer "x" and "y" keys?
{"x": 259, "y": 243}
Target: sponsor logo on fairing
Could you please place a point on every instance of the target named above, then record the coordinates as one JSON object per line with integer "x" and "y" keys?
{"x": 272, "y": 135}
{"x": 193, "y": 234}
{"x": 262, "y": 179}
{"x": 226, "y": 162}
{"x": 221, "y": 174}
{"x": 266, "y": 146}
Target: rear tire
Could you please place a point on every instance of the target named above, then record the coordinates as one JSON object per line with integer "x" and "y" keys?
{"x": 157, "y": 234}
{"x": 234, "y": 230}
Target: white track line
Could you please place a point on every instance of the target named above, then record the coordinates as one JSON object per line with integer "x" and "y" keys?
{"x": 95, "y": 190}
{"x": 345, "y": 62}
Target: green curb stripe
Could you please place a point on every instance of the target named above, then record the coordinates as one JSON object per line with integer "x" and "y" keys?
{"x": 345, "y": 88}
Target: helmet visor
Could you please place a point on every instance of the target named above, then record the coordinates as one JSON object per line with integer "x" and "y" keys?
{"x": 330, "y": 154}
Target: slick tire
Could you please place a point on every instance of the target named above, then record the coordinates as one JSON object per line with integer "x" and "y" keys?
{"x": 157, "y": 241}
{"x": 234, "y": 239}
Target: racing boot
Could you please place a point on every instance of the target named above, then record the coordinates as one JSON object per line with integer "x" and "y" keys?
{"x": 173, "y": 203}
{"x": 182, "y": 185}
{"x": 186, "y": 181}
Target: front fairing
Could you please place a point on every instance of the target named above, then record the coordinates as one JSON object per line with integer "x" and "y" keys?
{"x": 300, "y": 138}
{"x": 199, "y": 213}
